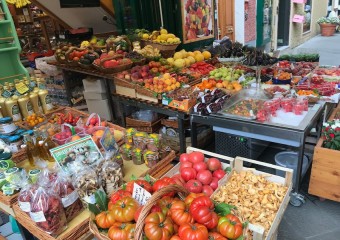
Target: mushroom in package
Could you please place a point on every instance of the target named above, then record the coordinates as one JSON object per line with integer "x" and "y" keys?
{"x": 63, "y": 187}
{"x": 111, "y": 176}
{"x": 48, "y": 212}
{"x": 86, "y": 182}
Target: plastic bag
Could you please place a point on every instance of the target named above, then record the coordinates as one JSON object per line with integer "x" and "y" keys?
{"x": 111, "y": 176}
{"x": 26, "y": 194}
{"x": 87, "y": 183}
{"x": 48, "y": 212}
{"x": 72, "y": 204}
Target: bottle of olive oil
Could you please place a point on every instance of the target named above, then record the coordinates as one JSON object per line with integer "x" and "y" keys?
{"x": 47, "y": 144}
{"x": 25, "y": 106}
{"x": 12, "y": 108}
{"x": 46, "y": 100}
{"x": 32, "y": 153}
{"x": 2, "y": 104}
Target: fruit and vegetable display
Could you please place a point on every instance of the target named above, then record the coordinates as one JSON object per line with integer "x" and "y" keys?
{"x": 227, "y": 49}
{"x": 150, "y": 52}
{"x": 61, "y": 51}
{"x": 76, "y": 54}
{"x": 255, "y": 197}
{"x": 161, "y": 37}
{"x": 211, "y": 102}
{"x": 185, "y": 59}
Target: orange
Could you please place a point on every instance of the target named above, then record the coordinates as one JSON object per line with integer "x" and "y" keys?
{"x": 208, "y": 85}
{"x": 74, "y": 138}
{"x": 99, "y": 133}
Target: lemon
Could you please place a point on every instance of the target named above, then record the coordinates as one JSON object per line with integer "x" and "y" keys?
{"x": 191, "y": 54}
{"x": 199, "y": 57}
{"x": 170, "y": 61}
{"x": 206, "y": 55}
{"x": 177, "y": 40}
{"x": 164, "y": 37}
{"x": 164, "y": 31}
{"x": 187, "y": 62}
{"x": 179, "y": 63}
{"x": 192, "y": 59}
{"x": 145, "y": 36}
{"x": 184, "y": 53}
{"x": 170, "y": 35}
{"x": 197, "y": 52}
{"x": 170, "y": 40}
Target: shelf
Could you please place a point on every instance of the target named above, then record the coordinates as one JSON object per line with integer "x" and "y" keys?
{"x": 8, "y": 49}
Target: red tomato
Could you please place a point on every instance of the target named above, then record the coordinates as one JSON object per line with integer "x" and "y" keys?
{"x": 194, "y": 231}
{"x": 207, "y": 190}
{"x": 185, "y": 165}
{"x": 179, "y": 213}
{"x": 188, "y": 200}
{"x": 143, "y": 183}
{"x": 219, "y": 174}
{"x": 230, "y": 226}
{"x": 163, "y": 182}
{"x": 204, "y": 177}
{"x": 202, "y": 210}
{"x": 119, "y": 195}
{"x": 196, "y": 157}
{"x": 216, "y": 236}
{"x": 214, "y": 164}
{"x": 200, "y": 166}
{"x": 188, "y": 174}
{"x": 155, "y": 208}
{"x": 184, "y": 157}
{"x": 178, "y": 179}
{"x": 194, "y": 186}
{"x": 214, "y": 183}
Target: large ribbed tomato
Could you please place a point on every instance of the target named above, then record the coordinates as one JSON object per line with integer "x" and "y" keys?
{"x": 122, "y": 231}
{"x": 188, "y": 200}
{"x": 163, "y": 182}
{"x": 202, "y": 210}
{"x": 193, "y": 231}
{"x": 179, "y": 213}
{"x": 216, "y": 236}
{"x": 175, "y": 237}
{"x": 105, "y": 219}
{"x": 124, "y": 209}
{"x": 230, "y": 226}
{"x": 165, "y": 203}
{"x": 158, "y": 227}
{"x": 119, "y": 195}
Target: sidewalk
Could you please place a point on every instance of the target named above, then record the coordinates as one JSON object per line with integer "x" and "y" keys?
{"x": 327, "y": 47}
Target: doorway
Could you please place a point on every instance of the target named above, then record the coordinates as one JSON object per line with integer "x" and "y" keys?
{"x": 283, "y": 23}
{"x": 226, "y": 23}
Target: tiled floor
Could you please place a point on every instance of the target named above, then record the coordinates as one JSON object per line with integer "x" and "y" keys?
{"x": 313, "y": 220}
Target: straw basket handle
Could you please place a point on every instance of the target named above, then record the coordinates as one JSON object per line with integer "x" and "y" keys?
{"x": 153, "y": 200}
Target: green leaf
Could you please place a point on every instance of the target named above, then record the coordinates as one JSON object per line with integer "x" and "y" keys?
{"x": 124, "y": 186}
{"x": 101, "y": 200}
{"x": 223, "y": 209}
{"x": 94, "y": 209}
{"x": 240, "y": 237}
{"x": 245, "y": 224}
{"x": 147, "y": 178}
{"x": 228, "y": 169}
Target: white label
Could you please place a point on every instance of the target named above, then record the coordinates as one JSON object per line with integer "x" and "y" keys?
{"x": 25, "y": 206}
{"x": 140, "y": 194}
{"x": 70, "y": 199}
{"x": 38, "y": 216}
{"x": 8, "y": 128}
{"x": 13, "y": 147}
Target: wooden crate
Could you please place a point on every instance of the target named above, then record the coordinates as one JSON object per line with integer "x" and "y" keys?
{"x": 147, "y": 95}
{"x": 144, "y": 126}
{"x": 76, "y": 229}
{"x": 258, "y": 232}
{"x": 124, "y": 87}
{"x": 325, "y": 176}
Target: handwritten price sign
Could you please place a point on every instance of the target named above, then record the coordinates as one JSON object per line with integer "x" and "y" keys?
{"x": 140, "y": 194}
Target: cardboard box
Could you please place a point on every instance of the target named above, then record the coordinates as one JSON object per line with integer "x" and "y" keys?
{"x": 94, "y": 85}
{"x": 101, "y": 107}
{"x": 95, "y": 95}
{"x": 184, "y": 105}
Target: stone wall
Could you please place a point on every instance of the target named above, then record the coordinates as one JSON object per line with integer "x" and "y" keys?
{"x": 297, "y": 37}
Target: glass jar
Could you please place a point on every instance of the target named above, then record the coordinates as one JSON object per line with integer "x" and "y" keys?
{"x": 153, "y": 142}
{"x": 125, "y": 152}
{"x": 130, "y": 132}
{"x": 140, "y": 140}
{"x": 137, "y": 156}
{"x": 150, "y": 158}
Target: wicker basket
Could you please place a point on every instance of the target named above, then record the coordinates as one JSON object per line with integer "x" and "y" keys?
{"x": 155, "y": 197}
{"x": 139, "y": 63}
{"x": 67, "y": 56}
{"x": 9, "y": 200}
{"x": 19, "y": 156}
{"x": 89, "y": 66}
{"x": 119, "y": 68}
{"x": 77, "y": 232}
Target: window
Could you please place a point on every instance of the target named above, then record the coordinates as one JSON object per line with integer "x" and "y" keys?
{"x": 308, "y": 16}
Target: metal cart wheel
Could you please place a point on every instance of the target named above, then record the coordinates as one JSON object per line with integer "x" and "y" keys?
{"x": 297, "y": 199}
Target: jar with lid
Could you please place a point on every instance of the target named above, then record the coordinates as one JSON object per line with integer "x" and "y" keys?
{"x": 15, "y": 143}
{"x": 7, "y": 125}
{"x": 137, "y": 156}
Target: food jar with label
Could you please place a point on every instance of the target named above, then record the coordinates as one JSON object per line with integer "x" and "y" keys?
{"x": 15, "y": 143}
{"x": 9, "y": 189}
{"x": 150, "y": 158}
{"x": 130, "y": 132}
{"x": 140, "y": 139}
{"x": 137, "y": 156}
{"x": 7, "y": 125}
{"x": 13, "y": 175}
{"x": 118, "y": 159}
{"x": 125, "y": 151}
{"x": 165, "y": 150}
{"x": 34, "y": 175}
{"x": 153, "y": 142}
{"x": 6, "y": 161}
{"x": 3, "y": 180}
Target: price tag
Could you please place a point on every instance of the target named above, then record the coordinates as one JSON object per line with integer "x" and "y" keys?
{"x": 108, "y": 141}
{"x": 21, "y": 88}
{"x": 140, "y": 194}
{"x": 70, "y": 199}
{"x": 38, "y": 216}
{"x": 25, "y": 206}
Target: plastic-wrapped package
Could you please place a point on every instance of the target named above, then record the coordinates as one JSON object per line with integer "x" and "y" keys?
{"x": 25, "y": 196}
{"x": 111, "y": 176}
{"x": 48, "y": 212}
{"x": 72, "y": 204}
{"x": 86, "y": 182}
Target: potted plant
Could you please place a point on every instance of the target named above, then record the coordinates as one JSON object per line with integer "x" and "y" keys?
{"x": 328, "y": 25}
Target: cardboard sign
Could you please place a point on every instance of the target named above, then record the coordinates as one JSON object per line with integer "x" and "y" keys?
{"x": 140, "y": 194}
{"x": 298, "y": 18}
{"x": 83, "y": 150}
{"x": 108, "y": 141}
